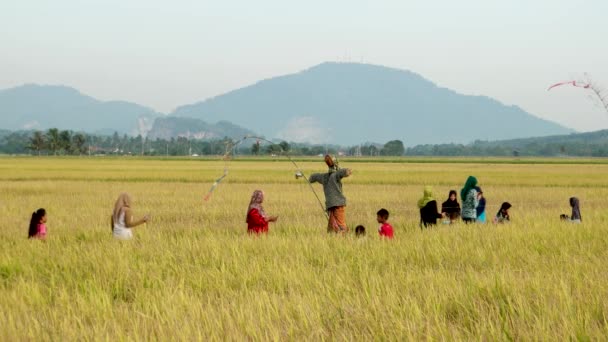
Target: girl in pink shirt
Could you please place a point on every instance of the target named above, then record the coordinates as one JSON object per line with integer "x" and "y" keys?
{"x": 38, "y": 225}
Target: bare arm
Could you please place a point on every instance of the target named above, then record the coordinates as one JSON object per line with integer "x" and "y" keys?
{"x": 129, "y": 219}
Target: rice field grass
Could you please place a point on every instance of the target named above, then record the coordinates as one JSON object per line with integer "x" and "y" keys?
{"x": 193, "y": 273}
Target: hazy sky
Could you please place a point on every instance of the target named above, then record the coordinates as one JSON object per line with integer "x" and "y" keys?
{"x": 168, "y": 53}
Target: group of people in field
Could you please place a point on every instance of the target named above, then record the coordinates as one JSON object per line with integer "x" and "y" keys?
{"x": 471, "y": 211}
{"x": 473, "y": 208}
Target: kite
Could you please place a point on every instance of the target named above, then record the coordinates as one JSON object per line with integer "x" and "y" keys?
{"x": 215, "y": 184}
{"x": 601, "y": 95}
{"x": 574, "y": 83}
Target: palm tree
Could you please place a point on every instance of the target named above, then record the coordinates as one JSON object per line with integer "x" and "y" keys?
{"x": 54, "y": 142}
{"x": 37, "y": 142}
{"x": 78, "y": 141}
{"x": 65, "y": 139}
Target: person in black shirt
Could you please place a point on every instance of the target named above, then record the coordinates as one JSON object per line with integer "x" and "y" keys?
{"x": 428, "y": 209}
{"x": 451, "y": 207}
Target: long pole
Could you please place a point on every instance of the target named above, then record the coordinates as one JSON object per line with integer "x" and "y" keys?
{"x": 286, "y": 154}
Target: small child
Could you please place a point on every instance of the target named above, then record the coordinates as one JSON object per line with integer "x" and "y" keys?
{"x": 502, "y": 216}
{"x": 37, "y": 228}
{"x": 481, "y": 207}
{"x": 360, "y": 231}
{"x": 385, "y": 230}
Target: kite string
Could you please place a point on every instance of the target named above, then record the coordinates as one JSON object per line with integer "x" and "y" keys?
{"x": 217, "y": 182}
{"x": 231, "y": 146}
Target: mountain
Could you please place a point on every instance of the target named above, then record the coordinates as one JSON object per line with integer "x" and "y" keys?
{"x": 170, "y": 127}
{"x": 346, "y": 103}
{"x": 42, "y": 107}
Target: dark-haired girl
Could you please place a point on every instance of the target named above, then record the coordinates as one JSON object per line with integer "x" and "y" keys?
{"x": 451, "y": 207}
{"x": 37, "y": 228}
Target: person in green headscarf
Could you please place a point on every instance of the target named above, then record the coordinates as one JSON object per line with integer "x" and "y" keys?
{"x": 469, "y": 200}
{"x": 428, "y": 209}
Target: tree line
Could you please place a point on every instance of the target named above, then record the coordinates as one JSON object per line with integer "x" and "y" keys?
{"x": 66, "y": 142}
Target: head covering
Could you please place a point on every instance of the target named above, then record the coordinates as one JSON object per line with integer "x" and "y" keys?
{"x": 451, "y": 206}
{"x": 256, "y": 202}
{"x": 331, "y": 162}
{"x": 123, "y": 201}
{"x": 426, "y": 198}
{"x": 470, "y": 184}
{"x": 576, "y": 210}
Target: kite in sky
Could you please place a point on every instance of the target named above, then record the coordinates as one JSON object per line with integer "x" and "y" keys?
{"x": 601, "y": 95}
{"x": 574, "y": 83}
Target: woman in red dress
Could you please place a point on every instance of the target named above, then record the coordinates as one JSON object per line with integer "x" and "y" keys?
{"x": 257, "y": 220}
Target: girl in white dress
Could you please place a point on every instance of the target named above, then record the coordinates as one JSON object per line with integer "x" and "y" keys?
{"x": 122, "y": 218}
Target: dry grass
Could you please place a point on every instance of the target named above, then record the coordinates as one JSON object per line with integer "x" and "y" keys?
{"x": 194, "y": 273}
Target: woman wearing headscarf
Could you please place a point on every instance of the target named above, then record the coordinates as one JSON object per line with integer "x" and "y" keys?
{"x": 122, "y": 218}
{"x": 451, "y": 208}
{"x": 428, "y": 209}
{"x": 257, "y": 220}
{"x": 469, "y": 200}
{"x": 576, "y": 211}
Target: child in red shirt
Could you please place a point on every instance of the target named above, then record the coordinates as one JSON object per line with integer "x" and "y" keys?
{"x": 257, "y": 220}
{"x": 385, "y": 230}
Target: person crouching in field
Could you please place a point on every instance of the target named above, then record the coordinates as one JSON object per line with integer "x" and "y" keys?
{"x": 576, "y": 211}
{"x": 385, "y": 230}
{"x": 428, "y": 209}
{"x": 360, "y": 231}
{"x": 257, "y": 220}
{"x": 502, "y": 216}
{"x": 451, "y": 208}
{"x": 468, "y": 194}
{"x": 335, "y": 202}
{"x": 122, "y": 218}
{"x": 37, "y": 229}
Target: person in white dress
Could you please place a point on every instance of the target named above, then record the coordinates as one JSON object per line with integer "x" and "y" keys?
{"x": 122, "y": 218}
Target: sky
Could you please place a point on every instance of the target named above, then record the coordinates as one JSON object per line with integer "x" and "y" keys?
{"x": 164, "y": 54}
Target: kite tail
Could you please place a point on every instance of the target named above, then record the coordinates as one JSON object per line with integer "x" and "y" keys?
{"x": 214, "y": 186}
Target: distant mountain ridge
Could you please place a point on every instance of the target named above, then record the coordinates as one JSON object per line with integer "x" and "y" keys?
{"x": 331, "y": 103}
{"x": 347, "y": 103}
{"x": 42, "y": 106}
{"x": 37, "y": 107}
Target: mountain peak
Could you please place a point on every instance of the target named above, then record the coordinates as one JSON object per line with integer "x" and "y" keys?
{"x": 347, "y": 103}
